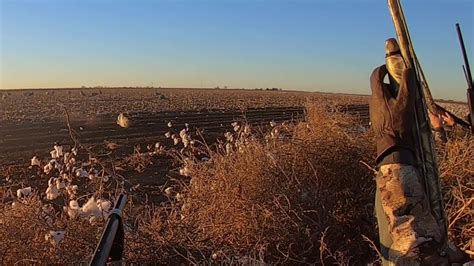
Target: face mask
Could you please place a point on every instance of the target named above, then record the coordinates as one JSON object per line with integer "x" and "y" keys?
{"x": 394, "y": 60}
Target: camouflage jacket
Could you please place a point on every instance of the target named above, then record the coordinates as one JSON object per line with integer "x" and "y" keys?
{"x": 406, "y": 209}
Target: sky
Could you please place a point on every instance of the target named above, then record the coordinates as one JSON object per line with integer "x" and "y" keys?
{"x": 311, "y": 45}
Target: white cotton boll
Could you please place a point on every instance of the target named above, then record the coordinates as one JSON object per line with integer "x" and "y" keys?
{"x": 169, "y": 191}
{"x": 170, "y": 124}
{"x": 73, "y": 210}
{"x": 73, "y": 204}
{"x": 176, "y": 141}
{"x": 275, "y": 133}
{"x": 273, "y": 124}
{"x": 71, "y": 190}
{"x": 168, "y": 135}
{"x": 185, "y": 142}
{"x": 183, "y": 133}
{"x": 184, "y": 137}
{"x": 52, "y": 192}
{"x": 74, "y": 151}
{"x": 186, "y": 125}
{"x": 104, "y": 205}
{"x": 54, "y": 237}
{"x": 179, "y": 197}
{"x": 236, "y": 128}
{"x": 184, "y": 171}
{"x": 60, "y": 184}
{"x": 54, "y": 154}
{"x": 49, "y": 167}
{"x": 123, "y": 121}
{"x": 91, "y": 208}
{"x": 66, "y": 157}
{"x": 92, "y": 176}
{"x": 233, "y": 124}
{"x": 229, "y": 137}
{"x": 35, "y": 161}
{"x": 157, "y": 146}
{"x": 23, "y": 192}
{"x": 228, "y": 148}
{"x": 59, "y": 150}
{"x": 247, "y": 130}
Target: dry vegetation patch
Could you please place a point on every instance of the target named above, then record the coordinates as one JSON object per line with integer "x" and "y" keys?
{"x": 297, "y": 194}
{"x": 301, "y": 196}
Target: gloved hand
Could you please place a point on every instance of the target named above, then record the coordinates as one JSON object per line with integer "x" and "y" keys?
{"x": 392, "y": 117}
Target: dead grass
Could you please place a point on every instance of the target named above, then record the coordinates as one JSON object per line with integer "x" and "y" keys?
{"x": 457, "y": 172}
{"x": 302, "y": 196}
{"x": 23, "y": 228}
{"x": 290, "y": 199}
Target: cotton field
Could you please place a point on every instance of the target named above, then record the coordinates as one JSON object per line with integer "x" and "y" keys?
{"x": 276, "y": 185}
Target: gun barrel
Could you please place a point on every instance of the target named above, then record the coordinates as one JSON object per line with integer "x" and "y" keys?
{"x": 464, "y": 54}
{"x": 110, "y": 247}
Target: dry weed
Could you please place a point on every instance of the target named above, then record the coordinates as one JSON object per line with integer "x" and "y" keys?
{"x": 274, "y": 199}
{"x": 457, "y": 172}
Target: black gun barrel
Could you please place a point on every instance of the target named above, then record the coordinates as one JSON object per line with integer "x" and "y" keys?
{"x": 110, "y": 247}
{"x": 468, "y": 75}
{"x": 464, "y": 54}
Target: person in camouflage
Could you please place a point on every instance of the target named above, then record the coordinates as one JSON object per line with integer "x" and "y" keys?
{"x": 408, "y": 232}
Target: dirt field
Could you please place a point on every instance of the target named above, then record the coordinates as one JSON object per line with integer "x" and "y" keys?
{"x": 34, "y": 119}
{"x": 234, "y": 136}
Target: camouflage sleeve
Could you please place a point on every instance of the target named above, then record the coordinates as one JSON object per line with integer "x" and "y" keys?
{"x": 406, "y": 209}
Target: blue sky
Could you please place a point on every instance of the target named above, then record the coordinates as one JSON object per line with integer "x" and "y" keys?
{"x": 318, "y": 45}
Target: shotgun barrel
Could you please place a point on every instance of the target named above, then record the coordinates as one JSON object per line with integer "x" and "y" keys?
{"x": 468, "y": 75}
{"x": 425, "y": 150}
{"x": 110, "y": 247}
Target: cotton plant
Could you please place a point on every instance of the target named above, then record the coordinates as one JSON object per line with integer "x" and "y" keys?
{"x": 185, "y": 137}
{"x": 72, "y": 190}
{"x": 235, "y": 126}
{"x": 49, "y": 166}
{"x": 184, "y": 171}
{"x": 169, "y": 191}
{"x": 176, "y": 139}
{"x": 92, "y": 210}
{"x": 52, "y": 192}
{"x": 35, "y": 161}
{"x": 56, "y": 186}
{"x": 57, "y": 152}
{"x": 55, "y": 237}
{"x": 23, "y": 192}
